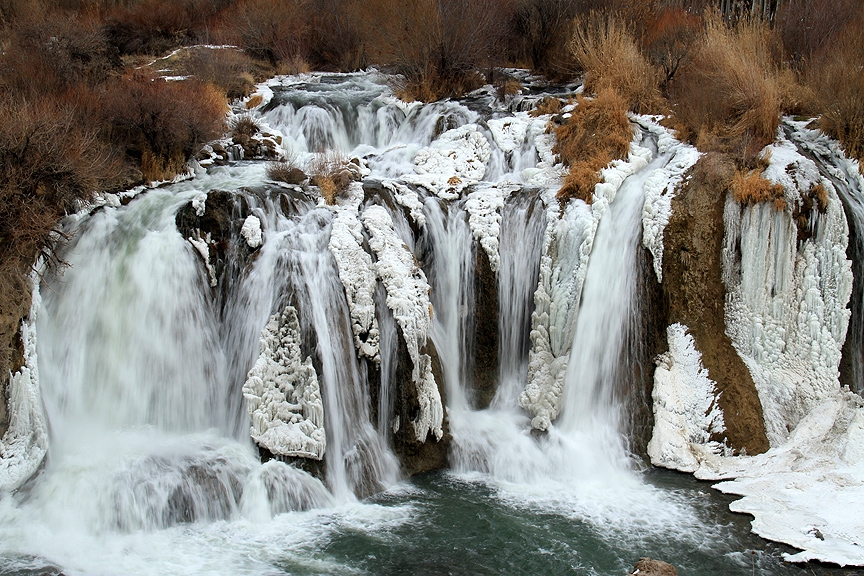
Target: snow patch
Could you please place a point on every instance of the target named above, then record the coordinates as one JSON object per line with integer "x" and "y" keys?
{"x": 685, "y": 406}
{"x": 283, "y": 395}
{"x": 484, "y": 217}
{"x": 407, "y": 198}
{"x": 452, "y": 162}
{"x": 251, "y": 232}
{"x": 25, "y": 443}
{"x": 408, "y": 299}
{"x": 199, "y": 203}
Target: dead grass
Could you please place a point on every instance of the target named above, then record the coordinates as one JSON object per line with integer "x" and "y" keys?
{"x": 547, "y": 105}
{"x": 286, "y": 170}
{"x": 330, "y": 172}
{"x": 596, "y": 133}
{"x": 606, "y": 50}
{"x": 254, "y": 101}
{"x": 732, "y": 93}
{"x": 750, "y": 188}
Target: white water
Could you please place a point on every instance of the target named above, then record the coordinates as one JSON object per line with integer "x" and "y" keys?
{"x": 150, "y": 460}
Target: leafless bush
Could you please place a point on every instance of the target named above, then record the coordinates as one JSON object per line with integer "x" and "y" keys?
{"x": 275, "y": 30}
{"x": 331, "y": 172}
{"x": 286, "y": 170}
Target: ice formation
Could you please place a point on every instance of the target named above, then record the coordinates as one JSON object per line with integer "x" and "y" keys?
{"x": 25, "y": 443}
{"x": 452, "y": 162}
{"x": 407, "y": 198}
{"x": 408, "y": 299}
{"x": 283, "y": 395}
{"x": 660, "y": 187}
{"x": 509, "y": 133}
{"x": 202, "y": 248}
{"x": 484, "y": 217}
{"x": 251, "y": 232}
{"x": 563, "y": 265}
{"x": 685, "y": 406}
{"x": 786, "y": 305}
{"x": 356, "y": 271}
{"x": 199, "y": 203}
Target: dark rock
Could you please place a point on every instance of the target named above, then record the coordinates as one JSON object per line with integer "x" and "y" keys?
{"x": 650, "y": 567}
{"x": 485, "y": 338}
{"x": 415, "y": 456}
{"x": 694, "y": 290}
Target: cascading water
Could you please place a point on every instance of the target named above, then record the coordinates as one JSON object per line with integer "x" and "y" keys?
{"x": 144, "y": 349}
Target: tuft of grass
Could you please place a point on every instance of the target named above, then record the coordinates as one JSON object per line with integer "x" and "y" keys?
{"x": 597, "y": 132}
{"x": 330, "y": 172}
{"x": 547, "y": 105}
{"x": 750, "y": 188}
{"x": 606, "y": 50}
{"x": 286, "y": 171}
{"x": 244, "y": 125}
{"x": 254, "y": 101}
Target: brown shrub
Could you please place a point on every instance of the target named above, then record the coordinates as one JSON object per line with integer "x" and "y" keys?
{"x": 547, "y": 105}
{"x": 233, "y": 71}
{"x": 254, "y": 101}
{"x": 159, "y": 122}
{"x": 806, "y": 27}
{"x": 273, "y": 30}
{"x": 596, "y": 133}
{"x": 286, "y": 171}
{"x": 669, "y": 40}
{"x": 750, "y": 187}
{"x": 606, "y": 50}
{"x": 836, "y": 77}
{"x": 732, "y": 93}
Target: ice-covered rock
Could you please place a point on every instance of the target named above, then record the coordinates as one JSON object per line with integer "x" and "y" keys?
{"x": 484, "y": 207}
{"x": 356, "y": 271}
{"x": 251, "y": 232}
{"x": 452, "y": 162}
{"x": 408, "y": 299}
{"x": 686, "y": 412}
{"x": 282, "y": 393}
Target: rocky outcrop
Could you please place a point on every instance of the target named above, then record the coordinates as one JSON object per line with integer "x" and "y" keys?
{"x": 485, "y": 338}
{"x": 695, "y": 294}
{"x": 651, "y": 567}
{"x": 14, "y": 304}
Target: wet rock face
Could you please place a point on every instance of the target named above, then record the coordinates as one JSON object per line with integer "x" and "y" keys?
{"x": 694, "y": 291}
{"x": 416, "y": 457}
{"x": 485, "y": 332}
{"x": 651, "y": 567}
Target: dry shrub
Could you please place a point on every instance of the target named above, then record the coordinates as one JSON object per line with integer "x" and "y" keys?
{"x": 286, "y": 171}
{"x": 750, "y": 187}
{"x": 806, "y": 27}
{"x": 540, "y": 29}
{"x": 836, "y": 77}
{"x": 596, "y": 133}
{"x": 331, "y": 173}
{"x": 731, "y": 95}
{"x": 669, "y": 40}
{"x": 157, "y": 26}
{"x": 244, "y": 125}
{"x": 254, "y": 101}
{"x": 233, "y": 71}
{"x": 547, "y": 105}
{"x": 160, "y": 122}
{"x": 273, "y": 30}
{"x": 436, "y": 45}
{"x": 606, "y": 50}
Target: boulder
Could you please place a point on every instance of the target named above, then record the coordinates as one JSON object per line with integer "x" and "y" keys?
{"x": 651, "y": 567}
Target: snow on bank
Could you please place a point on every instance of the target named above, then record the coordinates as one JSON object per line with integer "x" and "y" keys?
{"x": 356, "y": 271}
{"x": 563, "y": 265}
{"x": 283, "y": 395}
{"x": 660, "y": 187}
{"x": 685, "y": 406}
{"x": 806, "y": 492}
{"x": 25, "y": 443}
{"x": 408, "y": 299}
